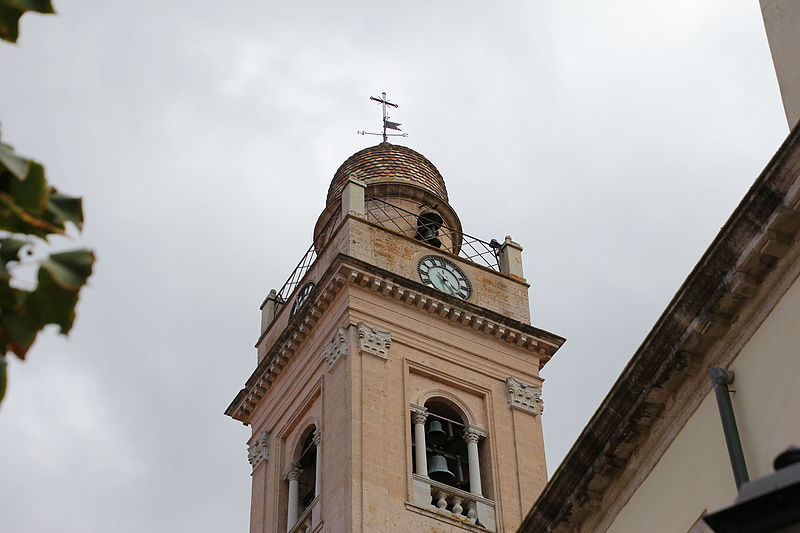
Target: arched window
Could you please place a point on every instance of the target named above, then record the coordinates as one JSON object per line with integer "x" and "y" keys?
{"x": 303, "y": 478}
{"x": 446, "y": 446}
{"x": 447, "y": 452}
{"x": 307, "y": 461}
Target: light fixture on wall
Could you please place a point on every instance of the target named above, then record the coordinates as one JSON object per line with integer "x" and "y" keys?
{"x": 770, "y": 504}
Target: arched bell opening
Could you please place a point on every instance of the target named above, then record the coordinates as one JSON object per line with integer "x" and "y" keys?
{"x": 416, "y": 214}
{"x": 445, "y": 448}
{"x": 397, "y": 207}
{"x": 306, "y": 459}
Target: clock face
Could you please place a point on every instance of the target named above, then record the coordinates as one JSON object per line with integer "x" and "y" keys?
{"x": 302, "y": 296}
{"x": 441, "y": 274}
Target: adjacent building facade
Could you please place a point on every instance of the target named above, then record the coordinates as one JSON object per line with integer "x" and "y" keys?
{"x": 397, "y": 385}
{"x": 654, "y": 455}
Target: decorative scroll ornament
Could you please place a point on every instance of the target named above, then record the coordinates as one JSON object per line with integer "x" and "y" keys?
{"x": 374, "y": 342}
{"x": 525, "y": 397}
{"x": 338, "y": 347}
{"x": 259, "y": 450}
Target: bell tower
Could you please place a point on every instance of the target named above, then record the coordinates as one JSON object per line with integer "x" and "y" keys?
{"x": 397, "y": 385}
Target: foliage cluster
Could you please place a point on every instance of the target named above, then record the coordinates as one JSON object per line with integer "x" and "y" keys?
{"x": 32, "y": 211}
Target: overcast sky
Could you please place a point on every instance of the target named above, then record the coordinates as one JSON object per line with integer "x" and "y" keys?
{"x": 612, "y": 139}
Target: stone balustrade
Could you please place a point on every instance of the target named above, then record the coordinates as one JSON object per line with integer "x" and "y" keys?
{"x": 454, "y": 503}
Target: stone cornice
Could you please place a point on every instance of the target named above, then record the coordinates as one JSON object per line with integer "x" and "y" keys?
{"x": 728, "y": 285}
{"x": 346, "y": 270}
{"x": 544, "y": 344}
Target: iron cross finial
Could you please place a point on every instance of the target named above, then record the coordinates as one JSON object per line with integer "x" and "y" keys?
{"x": 386, "y": 122}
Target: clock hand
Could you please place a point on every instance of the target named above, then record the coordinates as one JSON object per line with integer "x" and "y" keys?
{"x": 447, "y": 284}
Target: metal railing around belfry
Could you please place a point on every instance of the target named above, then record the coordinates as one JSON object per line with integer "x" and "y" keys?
{"x": 308, "y": 259}
{"x": 402, "y": 221}
{"x": 461, "y": 244}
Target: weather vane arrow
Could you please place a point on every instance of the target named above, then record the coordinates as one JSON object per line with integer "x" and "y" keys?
{"x": 387, "y": 124}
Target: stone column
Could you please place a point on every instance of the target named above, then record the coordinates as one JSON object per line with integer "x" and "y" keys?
{"x": 318, "y": 471}
{"x": 292, "y": 475}
{"x": 471, "y": 437}
{"x": 420, "y": 453}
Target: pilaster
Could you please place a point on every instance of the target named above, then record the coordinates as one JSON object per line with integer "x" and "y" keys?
{"x": 510, "y": 256}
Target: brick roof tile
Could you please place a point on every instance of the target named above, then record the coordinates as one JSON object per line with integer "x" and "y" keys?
{"x": 389, "y": 163}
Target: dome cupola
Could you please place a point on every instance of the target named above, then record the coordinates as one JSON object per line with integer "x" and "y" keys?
{"x": 385, "y": 164}
{"x": 400, "y": 183}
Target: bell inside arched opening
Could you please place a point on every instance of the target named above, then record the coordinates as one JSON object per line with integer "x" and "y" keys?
{"x": 446, "y": 450}
{"x": 307, "y": 460}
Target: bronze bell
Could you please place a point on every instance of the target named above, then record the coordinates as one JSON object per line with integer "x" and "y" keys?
{"x": 428, "y": 224}
{"x": 437, "y": 470}
{"x": 436, "y": 433}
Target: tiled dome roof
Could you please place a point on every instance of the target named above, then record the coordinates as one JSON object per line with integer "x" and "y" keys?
{"x": 389, "y": 163}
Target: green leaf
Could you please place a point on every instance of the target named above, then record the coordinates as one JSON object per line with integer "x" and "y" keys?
{"x": 10, "y": 248}
{"x": 12, "y": 10}
{"x": 16, "y": 165}
{"x": 27, "y": 204}
{"x": 31, "y": 194}
{"x": 69, "y": 270}
{"x": 8, "y": 296}
{"x": 51, "y": 304}
{"x": 19, "y": 331}
{"x": 23, "y": 314}
{"x": 15, "y": 219}
{"x": 24, "y": 196}
{"x": 9, "y": 23}
{"x": 41, "y": 6}
{"x": 62, "y": 208}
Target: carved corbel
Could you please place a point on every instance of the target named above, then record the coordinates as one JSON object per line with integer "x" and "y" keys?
{"x": 258, "y": 452}
{"x": 524, "y": 397}
{"x": 338, "y": 348}
{"x": 372, "y": 341}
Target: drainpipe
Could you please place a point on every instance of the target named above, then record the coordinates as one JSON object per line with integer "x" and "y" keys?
{"x": 721, "y": 378}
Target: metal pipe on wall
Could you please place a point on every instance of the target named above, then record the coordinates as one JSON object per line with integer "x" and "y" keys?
{"x": 721, "y": 378}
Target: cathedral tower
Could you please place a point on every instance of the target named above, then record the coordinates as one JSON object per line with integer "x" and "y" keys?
{"x": 397, "y": 385}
